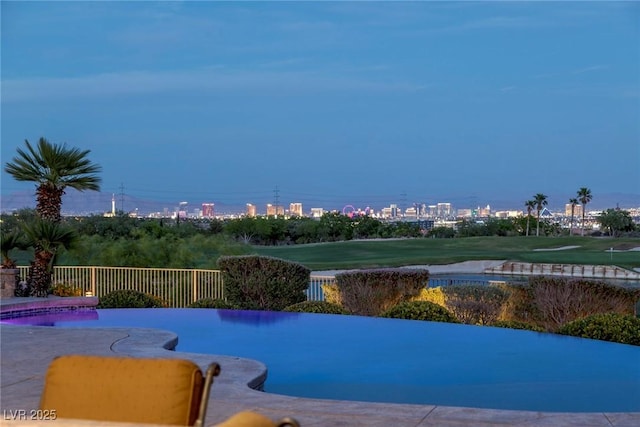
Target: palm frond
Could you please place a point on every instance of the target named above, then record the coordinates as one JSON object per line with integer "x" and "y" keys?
{"x": 55, "y": 165}
{"x": 49, "y": 235}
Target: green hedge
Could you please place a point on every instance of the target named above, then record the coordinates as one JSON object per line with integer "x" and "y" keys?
{"x": 420, "y": 310}
{"x": 607, "y": 327}
{"x": 263, "y": 283}
{"x": 128, "y": 298}
{"x": 316, "y": 307}
{"x": 475, "y": 304}
{"x": 552, "y": 302}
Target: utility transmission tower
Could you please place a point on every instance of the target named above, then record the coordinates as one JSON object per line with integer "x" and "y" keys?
{"x": 403, "y": 203}
{"x": 276, "y": 199}
{"x": 122, "y": 197}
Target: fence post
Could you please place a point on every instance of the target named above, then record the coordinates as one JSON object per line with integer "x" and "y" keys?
{"x": 195, "y": 285}
{"x": 93, "y": 281}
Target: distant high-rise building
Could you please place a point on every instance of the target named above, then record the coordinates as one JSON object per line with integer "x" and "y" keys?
{"x": 465, "y": 213}
{"x": 273, "y": 210}
{"x": 411, "y": 212}
{"x": 208, "y": 210}
{"x": 113, "y": 208}
{"x": 251, "y": 210}
{"x": 444, "y": 210}
{"x": 295, "y": 209}
{"x": 484, "y": 212}
{"x": 577, "y": 210}
{"x": 182, "y": 210}
{"x": 317, "y": 212}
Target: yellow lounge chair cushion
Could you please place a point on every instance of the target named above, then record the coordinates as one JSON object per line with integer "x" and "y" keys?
{"x": 247, "y": 419}
{"x": 156, "y": 391}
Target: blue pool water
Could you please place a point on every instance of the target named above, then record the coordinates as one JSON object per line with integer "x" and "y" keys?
{"x": 400, "y": 361}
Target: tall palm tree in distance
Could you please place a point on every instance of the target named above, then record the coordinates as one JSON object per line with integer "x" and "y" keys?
{"x": 530, "y": 205}
{"x": 540, "y": 201}
{"x": 573, "y": 202}
{"x": 53, "y": 167}
{"x": 584, "y": 195}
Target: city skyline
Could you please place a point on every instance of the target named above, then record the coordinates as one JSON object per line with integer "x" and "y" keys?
{"x": 91, "y": 202}
{"x": 330, "y": 102}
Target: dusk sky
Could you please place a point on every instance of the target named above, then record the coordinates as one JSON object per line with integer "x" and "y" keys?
{"x": 367, "y": 103}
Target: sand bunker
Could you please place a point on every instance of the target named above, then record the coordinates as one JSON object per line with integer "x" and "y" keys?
{"x": 562, "y": 248}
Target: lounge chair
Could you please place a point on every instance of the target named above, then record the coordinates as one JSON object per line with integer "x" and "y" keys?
{"x": 136, "y": 390}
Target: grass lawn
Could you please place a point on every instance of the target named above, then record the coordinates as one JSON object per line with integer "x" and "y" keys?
{"x": 394, "y": 253}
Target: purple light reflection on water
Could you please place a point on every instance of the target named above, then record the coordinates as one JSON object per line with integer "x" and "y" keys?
{"x": 52, "y": 318}
{"x": 401, "y": 361}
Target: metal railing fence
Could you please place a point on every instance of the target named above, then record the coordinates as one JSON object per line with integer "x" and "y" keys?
{"x": 177, "y": 287}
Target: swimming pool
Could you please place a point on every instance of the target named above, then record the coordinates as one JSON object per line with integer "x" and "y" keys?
{"x": 401, "y": 361}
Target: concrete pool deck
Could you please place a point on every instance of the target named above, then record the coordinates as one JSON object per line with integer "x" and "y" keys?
{"x": 26, "y": 352}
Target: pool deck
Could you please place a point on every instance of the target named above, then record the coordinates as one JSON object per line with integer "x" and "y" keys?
{"x": 26, "y": 352}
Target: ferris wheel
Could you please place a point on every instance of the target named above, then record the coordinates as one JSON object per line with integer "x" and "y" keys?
{"x": 348, "y": 210}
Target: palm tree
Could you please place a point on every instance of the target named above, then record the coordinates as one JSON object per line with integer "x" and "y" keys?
{"x": 584, "y": 195}
{"x": 540, "y": 201}
{"x": 573, "y": 202}
{"x": 8, "y": 242}
{"x": 48, "y": 237}
{"x": 53, "y": 167}
{"x": 530, "y": 205}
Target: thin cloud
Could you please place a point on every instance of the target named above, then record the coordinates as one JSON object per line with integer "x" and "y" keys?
{"x": 582, "y": 70}
{"x": 590, "y": 69}
{"x": 495, "y": 22}
{"x": 210, "y": 79}
{"x": 287, "y": 62}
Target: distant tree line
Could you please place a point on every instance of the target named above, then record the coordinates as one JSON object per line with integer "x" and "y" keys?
{"x": 197, "y": 243}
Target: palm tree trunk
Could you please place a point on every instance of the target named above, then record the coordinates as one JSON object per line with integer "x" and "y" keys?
{"x": 40, "y": 273}
{"x": 49, "y": 202}
{"x": 571, "y": 223}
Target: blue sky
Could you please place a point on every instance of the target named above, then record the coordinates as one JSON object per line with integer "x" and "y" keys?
{"x": 368, "y": 103}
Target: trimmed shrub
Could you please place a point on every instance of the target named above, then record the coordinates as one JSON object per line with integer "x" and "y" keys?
{"x": 551, "y": 302}
{"x": 316, "y": 307}
{"x": 211, "y": 303}
{"x": 128, "y": 298}
{"x": 514, "y": 324}
{"x": 263, "y": 283}
{"x": 475, "y": 304}
{"x": 607, "y": 327}
{"x": 420, "y": 310}
{"x": 371, "y": 292}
